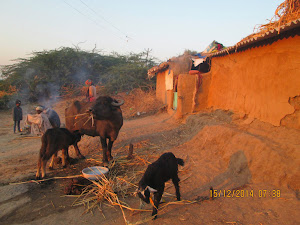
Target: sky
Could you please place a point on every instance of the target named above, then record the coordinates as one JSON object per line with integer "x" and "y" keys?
{"x": 166, "y": 27}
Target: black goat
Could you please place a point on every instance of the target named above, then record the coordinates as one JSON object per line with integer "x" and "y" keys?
{"x": 157, "y": 173}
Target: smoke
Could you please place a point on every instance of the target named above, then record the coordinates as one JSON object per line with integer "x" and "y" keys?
{"x": 36, "y": 89}
{"x": 44, "y": 88}
{"x": 30, "y": 72}
{"x": 23, "y": 93}
{"x": 48, "y": 93}
{"x": 81, "y": 75}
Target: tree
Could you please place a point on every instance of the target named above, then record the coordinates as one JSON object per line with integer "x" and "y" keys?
{"x": 46, "y": 73}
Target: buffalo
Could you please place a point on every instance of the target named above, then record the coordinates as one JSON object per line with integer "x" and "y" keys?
{"x": 101, "y": 118}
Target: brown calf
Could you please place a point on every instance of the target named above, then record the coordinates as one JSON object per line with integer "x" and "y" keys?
{"x": 52, "y": 141}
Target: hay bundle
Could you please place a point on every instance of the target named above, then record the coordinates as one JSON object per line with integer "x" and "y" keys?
{"x": 121, "y": 182}
{"x": 286, "y": 12}
{"x": 180, "y": 64}
{"x": 156, "y": 69}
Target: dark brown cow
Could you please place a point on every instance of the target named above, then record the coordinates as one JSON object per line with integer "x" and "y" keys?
{"x": 101, "y": 118}
{"x": 53, "y": 140}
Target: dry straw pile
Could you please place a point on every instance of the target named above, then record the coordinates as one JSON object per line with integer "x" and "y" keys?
{"x": 286, "y": 12}
{"x": 121, "y": 183}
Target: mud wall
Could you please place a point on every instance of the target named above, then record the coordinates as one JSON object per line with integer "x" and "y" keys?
{"x": 164, "y": 83}
{"x": 190, "y": 98}
{"x": 161, "y": 87}
{"x": 258, "y": 82}
{"x": 202, "y": 93}
{"x": 185, "y": 91}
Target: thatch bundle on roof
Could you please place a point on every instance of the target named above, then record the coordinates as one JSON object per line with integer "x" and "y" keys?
{"x": 285, "y": 13}
{"x": 180, "y": 64}
{"x": 156, "y": 69}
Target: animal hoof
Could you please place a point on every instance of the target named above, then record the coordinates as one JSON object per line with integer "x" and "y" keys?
{"x": 105, "y": 164}
{"x": 64, "y": 166}
{"x": 51, "y": 168}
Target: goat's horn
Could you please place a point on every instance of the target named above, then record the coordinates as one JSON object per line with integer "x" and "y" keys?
{"x": 121, "y": 102}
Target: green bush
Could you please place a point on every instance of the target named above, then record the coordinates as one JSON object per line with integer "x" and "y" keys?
{"x": 46, "y": 74}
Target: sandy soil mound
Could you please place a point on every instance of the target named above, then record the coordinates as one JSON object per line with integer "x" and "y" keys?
{"x": 139, "y": 103}
{"x": 230, "y": 158}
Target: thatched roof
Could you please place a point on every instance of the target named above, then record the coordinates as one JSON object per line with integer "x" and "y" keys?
{"x": 285, "y": 13}
{"x": 290, "y": 29}
{"x": 179, "y": 64}
{"x": 285, "y": 23}
{"x": 156, "y": 69}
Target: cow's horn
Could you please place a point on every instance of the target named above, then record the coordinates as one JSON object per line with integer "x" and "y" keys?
{"x": 121, "y": 102}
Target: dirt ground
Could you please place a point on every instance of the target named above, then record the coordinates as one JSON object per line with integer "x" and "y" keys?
{"x": 252, "y": 166}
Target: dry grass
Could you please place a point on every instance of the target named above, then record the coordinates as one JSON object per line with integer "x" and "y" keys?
{"x": 121, "y": 182}
{"x": 139, "y": 102}
{"x": 11, "y": 90}
{"x": 286, "y": 12}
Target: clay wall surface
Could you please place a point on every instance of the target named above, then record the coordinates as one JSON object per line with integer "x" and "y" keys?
{"x": 258, "y": 82}
{"x": 169, "y": 79}
{"x": 202, "y": 93}
{"x": 185, "y": 91}
{"x": 161, "y": 87}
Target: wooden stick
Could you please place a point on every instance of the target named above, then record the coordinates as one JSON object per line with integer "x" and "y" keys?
{"x": 130, "y": 156}
{"x": 39, "y": 181}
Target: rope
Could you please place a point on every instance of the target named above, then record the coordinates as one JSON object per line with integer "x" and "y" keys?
{"x": 77, "y": 115}
{"x": 79, "y": 120}
{"x": 90, "y": 117}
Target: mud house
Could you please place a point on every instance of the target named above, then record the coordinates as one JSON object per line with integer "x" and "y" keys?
{"x": 258, "y": 77}
{"x": 179, "y": 87}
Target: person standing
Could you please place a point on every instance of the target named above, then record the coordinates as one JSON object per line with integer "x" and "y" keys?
{"x": 17, "y": 115}
{"x": 91, "y": 94}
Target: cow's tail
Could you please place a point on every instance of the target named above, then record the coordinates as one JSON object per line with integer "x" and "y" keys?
{"x": 180, "y": 161}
